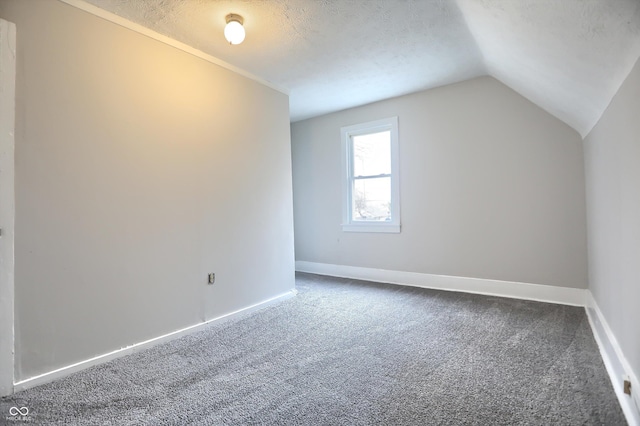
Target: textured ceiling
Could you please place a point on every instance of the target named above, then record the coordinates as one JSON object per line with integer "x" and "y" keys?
{"x": 567, "y": 56}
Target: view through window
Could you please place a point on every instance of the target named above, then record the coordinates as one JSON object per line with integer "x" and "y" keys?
{"x": 372, "y": 177}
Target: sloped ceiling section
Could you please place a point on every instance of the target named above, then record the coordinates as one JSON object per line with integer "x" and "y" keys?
{"x": 567, "y": 56}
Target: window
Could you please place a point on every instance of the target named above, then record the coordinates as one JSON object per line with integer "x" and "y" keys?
{"x": 370, "y": 177}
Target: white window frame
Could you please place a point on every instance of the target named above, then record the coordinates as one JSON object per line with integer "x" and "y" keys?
{"x": 347, "y": 133}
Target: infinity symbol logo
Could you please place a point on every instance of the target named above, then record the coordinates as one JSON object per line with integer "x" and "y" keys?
{"x": 14, "y": 411}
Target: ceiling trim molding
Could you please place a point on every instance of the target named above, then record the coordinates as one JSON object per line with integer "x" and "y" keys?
{"x": 118, "y": 20}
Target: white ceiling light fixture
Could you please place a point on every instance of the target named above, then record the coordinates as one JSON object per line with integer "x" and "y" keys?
{"x": 234, "y": 31}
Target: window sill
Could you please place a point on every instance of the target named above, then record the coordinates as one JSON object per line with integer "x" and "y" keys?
{"x": 372, "y": 227}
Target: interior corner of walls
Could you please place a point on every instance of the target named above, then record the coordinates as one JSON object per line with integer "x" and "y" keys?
{"x": 588, "y": 131}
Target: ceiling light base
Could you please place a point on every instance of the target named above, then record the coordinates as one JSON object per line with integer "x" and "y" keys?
{"x": 234, "y": 17}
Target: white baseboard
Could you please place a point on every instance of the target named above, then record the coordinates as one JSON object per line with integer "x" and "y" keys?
{"x": 614, "y": 360}
{"x": 516, "y": 290}
{"x": 100, "y": 359}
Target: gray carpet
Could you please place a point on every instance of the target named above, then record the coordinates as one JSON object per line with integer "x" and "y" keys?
{"x": 353, "y": 353}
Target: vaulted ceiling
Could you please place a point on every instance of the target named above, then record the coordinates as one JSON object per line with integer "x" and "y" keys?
{"x": 567, "y": 56}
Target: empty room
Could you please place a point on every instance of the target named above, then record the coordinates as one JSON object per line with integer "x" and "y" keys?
{"x": 319, "y": 212}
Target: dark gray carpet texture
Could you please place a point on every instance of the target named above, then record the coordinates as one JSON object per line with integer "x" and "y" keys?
{"x": 347, "y": 352}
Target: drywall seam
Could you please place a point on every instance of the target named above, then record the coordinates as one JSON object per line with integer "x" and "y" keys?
{"x": 7, "y": 203}
{"x": 118, "y": 20}
{"x": 614, "y": 360}
{"x": 137, "y": 347}
{"x": 516, "y": 290}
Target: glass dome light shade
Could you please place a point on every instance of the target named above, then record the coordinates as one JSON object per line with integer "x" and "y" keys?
{"x": 234, "y": 32}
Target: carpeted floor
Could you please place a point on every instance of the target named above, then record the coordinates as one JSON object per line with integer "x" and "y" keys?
{"x": 347, "y": 352}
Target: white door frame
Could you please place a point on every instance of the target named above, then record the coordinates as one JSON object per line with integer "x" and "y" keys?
{"x": 7, "y": 202}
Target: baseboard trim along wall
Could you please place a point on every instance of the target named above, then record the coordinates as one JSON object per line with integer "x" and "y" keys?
{"x": 516, "y": 290}
{"x": 137, "y": 347}
{"x": 614, "y": 360}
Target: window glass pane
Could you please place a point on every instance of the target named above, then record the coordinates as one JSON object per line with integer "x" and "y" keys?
{"x": 372, "y": 154}
{"x": 372, "y": 199}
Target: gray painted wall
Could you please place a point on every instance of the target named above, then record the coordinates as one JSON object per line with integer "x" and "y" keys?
{"x": 612, "y": 166}
{"x": 491, "y": 186}
{"x": 139, "y": 169}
